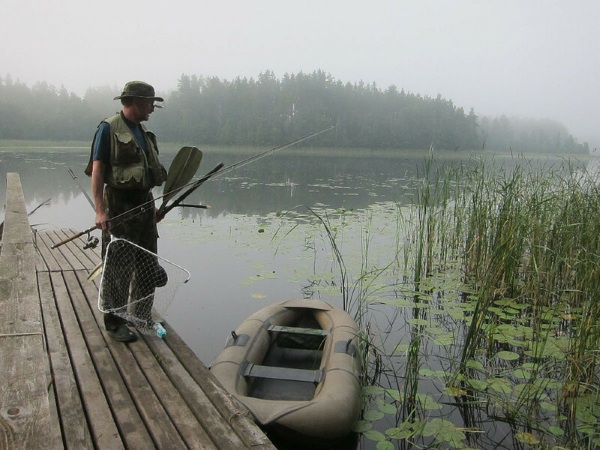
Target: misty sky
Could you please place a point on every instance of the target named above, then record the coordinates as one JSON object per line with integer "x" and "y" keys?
{"x": 528, "y": 58}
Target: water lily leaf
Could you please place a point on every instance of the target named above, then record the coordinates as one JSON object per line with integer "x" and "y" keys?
{"x": 507, "y": 356}
{"x": 444, "y": 340}
{"x": 402, "y": 348}
{"x": 404, "y": 431}
{"x": 426, "y": 373}
{"x": 384, "y": 445}
{"x": 506, "y": 328}
{"x": 443, "y": 431}
{"x": 501, "y": 385}
{"x": 435, "y": 330}
{"x": 394, "y": 393}
{"x": 372, "y": 390}
{"x": 418, "y": 322}
{"x": 548, "y": 406}
{"x": 522, "y": 374}
{"x": 506, "y": 302}
{"x": 387, "y": 408}
{"x": 372, "y": 415}
{"x": 527, "y": 438}
{"x": 428, "y": 402}
{"x": 500, "y": 338}
{"x": 475, "y": 365}
{"x": 456, "y": 313}
{"x": 478, "y": 385}
{"x": 548, "y": 383}
{"x": 374, "y": 435}
{"x": 362, "y": 426}
{"x": 454, "y": 391}
{"x": 556, "y": 431}
{"x": 585, "y": 415}
{"x": 588, "y": 429}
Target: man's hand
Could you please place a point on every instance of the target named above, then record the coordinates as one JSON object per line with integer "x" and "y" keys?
{"x": 102, "y": 220}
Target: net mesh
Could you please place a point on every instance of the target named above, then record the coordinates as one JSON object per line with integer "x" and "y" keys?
{"x": 138, "y": 285}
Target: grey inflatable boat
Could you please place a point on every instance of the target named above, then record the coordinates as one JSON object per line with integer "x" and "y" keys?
{"x": 295, "y": 365}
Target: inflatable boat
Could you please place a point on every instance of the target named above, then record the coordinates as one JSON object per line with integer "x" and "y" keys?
{"x": 295, "y": 365}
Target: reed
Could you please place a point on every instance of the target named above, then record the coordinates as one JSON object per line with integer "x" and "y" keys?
{"x": 523, "y": 243}
{"x": 491, "y": 287}
{"x": 531, "y": 240}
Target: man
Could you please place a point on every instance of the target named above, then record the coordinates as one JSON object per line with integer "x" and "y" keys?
{"x": 124, "y": 168}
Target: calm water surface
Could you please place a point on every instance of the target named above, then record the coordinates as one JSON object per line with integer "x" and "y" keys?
{"x": 247, "y": 250}
{"x": 236, "y": 265}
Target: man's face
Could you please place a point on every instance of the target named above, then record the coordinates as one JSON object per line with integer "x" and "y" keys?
{"x": 143, "y": 108}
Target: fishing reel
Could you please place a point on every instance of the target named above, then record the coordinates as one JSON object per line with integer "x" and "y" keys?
{"x": 92, "y": 242}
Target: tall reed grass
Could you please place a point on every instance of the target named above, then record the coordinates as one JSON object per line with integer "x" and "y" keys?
{"x": 491, "y": 287}
{"x": 499, "y": 266}
{"x": 527, "y": 244}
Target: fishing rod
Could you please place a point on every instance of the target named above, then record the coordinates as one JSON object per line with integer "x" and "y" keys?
{"x": 92, "y": 242}
{"x": 217, "y": 171}
{"x": 81, "y": 187}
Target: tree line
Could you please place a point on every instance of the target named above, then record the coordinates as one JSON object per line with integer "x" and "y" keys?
{"x": 270, "y": 110}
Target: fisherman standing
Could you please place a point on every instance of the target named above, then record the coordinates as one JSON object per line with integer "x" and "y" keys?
{"x": 124, "y": 167}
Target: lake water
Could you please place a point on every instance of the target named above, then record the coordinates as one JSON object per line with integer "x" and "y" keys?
{"x": 237, "y": 265}
{"x": 258, "y": 243}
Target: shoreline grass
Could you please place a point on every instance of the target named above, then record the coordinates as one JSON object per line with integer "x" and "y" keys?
{"x": 496, "y": 278}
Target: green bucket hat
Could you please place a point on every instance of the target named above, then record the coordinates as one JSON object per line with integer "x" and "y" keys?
{"x": 139, "y": 89}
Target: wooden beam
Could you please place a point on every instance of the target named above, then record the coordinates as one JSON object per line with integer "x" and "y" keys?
{"x": 26, "y": 419}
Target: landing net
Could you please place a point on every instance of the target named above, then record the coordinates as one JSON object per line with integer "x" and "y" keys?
{"x": 138, "y": 285}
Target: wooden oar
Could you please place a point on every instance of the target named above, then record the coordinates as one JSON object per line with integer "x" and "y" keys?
{"x": 95, "y": 271}
{"x": 183, "y": 168}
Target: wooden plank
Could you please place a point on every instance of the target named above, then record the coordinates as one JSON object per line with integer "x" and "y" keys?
{"x": 88, "y": 258}
{"x": 26, "y": 421}
{"x": 19, "y": 306}
{"x": 183, "y": 418}
{"x": 149, "y": 408}
{"x": 76, "y": 433}
{"x": 63, "y": 253}
{"x": 229, "y": 407}
{"x": 298, "y": 330}
{"x": 69, "y": 250}
{"x": 25, "y": 415}
{"x": 16, "y": 225}
{"x": 40, "y": 264}
{"x": 189, "y": 426}
{"x": 283, "y": 373}
{"x": 55, "y": 259}
{"x": 45, "y": 253}
{"x": 102, "y": 424}
{"x": 202, "y": 406}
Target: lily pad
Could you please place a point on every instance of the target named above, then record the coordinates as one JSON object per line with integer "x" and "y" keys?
{"x": 527, "y": 438}
{"x": 507, "y": 356}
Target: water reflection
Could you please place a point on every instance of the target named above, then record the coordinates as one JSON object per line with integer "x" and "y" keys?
{"x": 272, "y": 184}
{"x": 236, "y": 264}
{"x": 235, "y": 268}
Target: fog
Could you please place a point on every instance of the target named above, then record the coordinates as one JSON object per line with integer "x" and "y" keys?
{"x": 538, "y": 59}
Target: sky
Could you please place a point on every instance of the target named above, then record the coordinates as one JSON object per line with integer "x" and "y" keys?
{"x": 524, "y": 58}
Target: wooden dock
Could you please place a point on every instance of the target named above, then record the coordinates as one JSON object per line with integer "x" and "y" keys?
{"x": 66, "y": 384}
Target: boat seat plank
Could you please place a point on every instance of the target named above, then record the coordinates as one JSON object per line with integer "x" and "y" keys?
{"x": 283, "y": 373}
{"x": 298, "y": 330}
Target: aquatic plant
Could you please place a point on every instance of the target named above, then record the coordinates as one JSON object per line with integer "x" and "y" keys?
{"x": 477, "y": 301}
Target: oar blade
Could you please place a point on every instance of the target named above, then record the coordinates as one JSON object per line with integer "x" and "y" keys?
{"x": 95, "y": 272}
{"x": 182, "y": 170}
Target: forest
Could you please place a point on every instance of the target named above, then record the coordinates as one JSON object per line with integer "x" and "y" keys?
{"x": 267, "y": 110}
